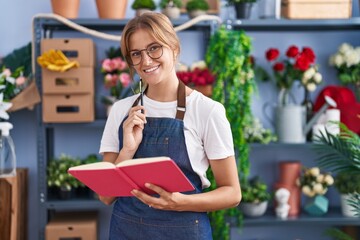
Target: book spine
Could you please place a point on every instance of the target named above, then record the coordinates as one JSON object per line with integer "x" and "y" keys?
{"x": 127, "y": 179}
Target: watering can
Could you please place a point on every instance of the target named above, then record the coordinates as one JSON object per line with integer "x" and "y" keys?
{"x": 290, "y": 121}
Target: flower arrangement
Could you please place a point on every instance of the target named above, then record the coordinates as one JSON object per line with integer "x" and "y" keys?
{"x": 11, "y": 84}
{"x": 347, "y": 63}
{"x": 116, "y": 74}
{"x": 198, "y": 75}
{"x": 256, "y": 133}
{"x": 313, "y": 182}
{"x": 298, "y": 65}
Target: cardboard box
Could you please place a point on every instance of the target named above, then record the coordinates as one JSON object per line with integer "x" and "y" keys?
{"x": 68, "y": 108}
{"x": 316, "y": 9}
{"x": 78, "y": 49}
{"x": 80, "y": 80}
{"x": 69, "y": 225}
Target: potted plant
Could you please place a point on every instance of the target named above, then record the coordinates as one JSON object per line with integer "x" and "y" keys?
{"x": 58, "y": 179}
{"x": 347, "y": 183}
{"x": 142, "y": 6}
{"x": 242, "y": 7}
{"x": 171, "y": 8}
{"x": 196, "y": 8}
{"x": 255, "y": 197}
{"x": 340, "y": 154}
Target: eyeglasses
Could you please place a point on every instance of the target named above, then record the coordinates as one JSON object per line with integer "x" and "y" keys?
{"x": 154, "y": 51}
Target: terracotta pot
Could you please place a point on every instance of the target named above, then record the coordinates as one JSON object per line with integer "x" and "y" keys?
{"x": 66, "y": 8}
{"x": 289, "y": 172}
{"x": 204, "y": 89}
{"x": 114, "y": 9}
{"x": 294, "y": 199}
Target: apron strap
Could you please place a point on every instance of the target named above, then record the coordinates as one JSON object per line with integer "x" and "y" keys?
{"x": 181, "y": 101}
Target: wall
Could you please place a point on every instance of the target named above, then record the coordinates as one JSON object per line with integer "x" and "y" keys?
{"x": 16, "y": 28}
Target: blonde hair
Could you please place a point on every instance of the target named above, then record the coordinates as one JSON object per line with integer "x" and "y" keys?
{"x": 158, "y": 26}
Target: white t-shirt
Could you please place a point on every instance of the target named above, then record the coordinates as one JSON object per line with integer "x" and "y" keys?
{"x": 207, "y": 130}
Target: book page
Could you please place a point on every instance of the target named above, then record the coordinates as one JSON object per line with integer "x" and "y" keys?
{"x": 137, "y": 161}
{"x": 97, "y": 165}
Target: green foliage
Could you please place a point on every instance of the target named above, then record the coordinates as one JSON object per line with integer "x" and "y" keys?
{"x": 254, "y": 191}
{"x": 170, "y": 3}
{"x": 347, "y": 182}
{"x": 149, "y": 4}
{"x": 20, "y": 57}
{"x": 339, "y": 152}
{"x": 337, "y": 234}
{"x": 197, "y": 5}
{"x": 57, "y": 175}
{"x": 228, "y": 56}
{"x": 354, "y": 201}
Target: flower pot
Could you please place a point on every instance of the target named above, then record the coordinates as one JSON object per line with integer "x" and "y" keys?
{"x": 317, "y": 206}
{"x": 243, "y": 10}
{"x": 346, "y": 209}
{"x": 66, "y": 8}
{"x": 254, "y": 209}
{"x": 171, "y": 12}
{"x": 141, "y": 11}
{"x": 204, "y": 89}
{"x": 114, "y": 9}
{"x": 196, "y": 13}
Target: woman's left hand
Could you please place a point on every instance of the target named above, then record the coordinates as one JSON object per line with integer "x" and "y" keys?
{"x": 165, "y": 200}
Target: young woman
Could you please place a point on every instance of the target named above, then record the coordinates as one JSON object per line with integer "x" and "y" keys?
{"x": 174, "y": 121}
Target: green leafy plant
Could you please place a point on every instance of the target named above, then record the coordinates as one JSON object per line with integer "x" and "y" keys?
{"x": 254, "y": 191}
{"x": 138, "y": 4}
{"x": 337, "y": 234}
{"x": 228, "y": 56}
{"x": 347, "y": 182}
{"x": 170, "y": 3}
{"x": 197, "y": 5}
{"x": 340, "y": 153}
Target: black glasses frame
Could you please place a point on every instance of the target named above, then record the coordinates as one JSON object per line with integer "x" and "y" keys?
{"x": 147, "y": 53}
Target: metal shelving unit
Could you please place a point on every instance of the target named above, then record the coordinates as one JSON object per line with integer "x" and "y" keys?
{"x": 44, "y": 28}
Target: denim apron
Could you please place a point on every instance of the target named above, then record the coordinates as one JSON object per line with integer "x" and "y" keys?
{"x": 132, "y": 219}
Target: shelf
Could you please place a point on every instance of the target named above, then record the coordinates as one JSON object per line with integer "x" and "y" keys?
{"x": 100, "y": 123}
{"x": 333, "y": 217}
{"x": 272, "y": 25}
{"x": 282, "y": 145}
{"x": 75, "y": 204}
{"x": 111, "y": 24}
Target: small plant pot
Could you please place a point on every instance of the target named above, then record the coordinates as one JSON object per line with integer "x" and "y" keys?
{"x": 113, "y": 9}
{"x": 171, "y": 12}
{"x": 346, "y": 209}
{"x": 66, "y": 8}
{"x": 317, "y": 206}
{"x": 254, "y": 209}
{"x": 196, "y": 13}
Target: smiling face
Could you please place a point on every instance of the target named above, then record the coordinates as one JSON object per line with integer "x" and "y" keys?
{"x": 151, "y": 70}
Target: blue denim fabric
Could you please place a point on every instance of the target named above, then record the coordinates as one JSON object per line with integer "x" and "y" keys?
{"x": 132, "y": 219}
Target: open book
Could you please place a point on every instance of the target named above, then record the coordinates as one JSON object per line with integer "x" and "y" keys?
{"x": 108, "y": 179}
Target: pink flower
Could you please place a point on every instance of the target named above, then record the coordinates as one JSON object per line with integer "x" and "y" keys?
{"x": 20, "y": 80}
{"x": 108, "y": 65}
{"x": 7, "y": 72}
{"x": 125, "y": 79}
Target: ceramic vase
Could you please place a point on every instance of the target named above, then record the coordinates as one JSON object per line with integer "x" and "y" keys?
{"x": 254, "y": 209}
{"x": 66, "y": 8}
{"x": 317, "y": 206}
{"x": 346, "y": 209}
{"x": 114, "y": 9}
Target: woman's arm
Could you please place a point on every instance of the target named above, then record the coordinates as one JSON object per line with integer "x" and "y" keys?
{"x": 226, "y": 195}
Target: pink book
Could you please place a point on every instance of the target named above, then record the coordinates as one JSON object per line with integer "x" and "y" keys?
{"x": 108, "y": 179}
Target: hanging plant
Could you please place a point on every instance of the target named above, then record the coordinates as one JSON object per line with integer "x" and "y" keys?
{"x": 228, "y": 56}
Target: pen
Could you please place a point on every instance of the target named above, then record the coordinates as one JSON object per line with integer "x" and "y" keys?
{"x": 141, "y": 95}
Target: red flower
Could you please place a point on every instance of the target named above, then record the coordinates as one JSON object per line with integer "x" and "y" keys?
{"x": 309, "y": 53}
{"x": 292, "y": 52}
{"x": 279, "y": 67}
{"x": 302, "y": 63}
{"x": 196, "y": 77}
{"x": 272, "y": 54}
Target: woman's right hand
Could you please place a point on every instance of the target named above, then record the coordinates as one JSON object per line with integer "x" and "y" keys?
{"x": 133, "y": 129}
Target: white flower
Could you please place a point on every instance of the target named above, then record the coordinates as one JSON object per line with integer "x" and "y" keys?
{"x": 329, "y": 180}
{"x": 317, "y": 77}
{"x": 4, "y": 106}
{"x": 308, "y": 74}
{"x": 306, "y": 190}
{"x": 318, "y": 188}
{"x": 352, "y": 58}
{"x": 345, "y": 47}
{"x": 336, "y": 60}
{"x": 200, "y": 64}
{"x": 314, "y": 171}
{"x": 320, "y": 178}
{"x": 182, "y": 67}
{"x": 311, "y": 87}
